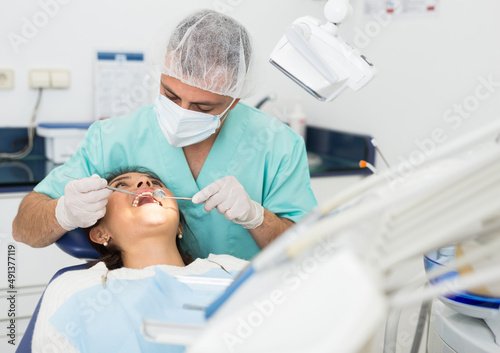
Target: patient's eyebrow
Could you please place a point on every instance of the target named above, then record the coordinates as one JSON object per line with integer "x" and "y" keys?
{"x": 156, "y": 179}
{"x": 119, "y": 178}
{"x": 128, "y": 177}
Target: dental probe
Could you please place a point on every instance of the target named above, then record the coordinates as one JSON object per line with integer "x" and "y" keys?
{"x": 120, "y": 190}
{"x": 158, "y": 193}
{"x": 109, "y": 187}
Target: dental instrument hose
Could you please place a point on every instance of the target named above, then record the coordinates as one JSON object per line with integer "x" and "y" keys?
{"x": 423, "y": 318}
{"x": 391, "y": 330}
{"x": 31, "y": 134}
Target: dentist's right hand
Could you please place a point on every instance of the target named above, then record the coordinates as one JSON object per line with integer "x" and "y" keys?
{"x": 83, "y": 203}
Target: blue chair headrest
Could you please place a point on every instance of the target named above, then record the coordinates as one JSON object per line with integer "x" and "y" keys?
{"x": 75, "y": 244}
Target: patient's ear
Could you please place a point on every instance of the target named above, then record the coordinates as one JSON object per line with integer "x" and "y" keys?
{"x": 234, "y": 103}
{"x": 179, "y": 230}
{"x": 98, "y": 235}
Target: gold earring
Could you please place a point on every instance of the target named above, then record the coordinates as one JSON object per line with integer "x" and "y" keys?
{"x": 179, "y": 233}
{"x": 105, "y": 242}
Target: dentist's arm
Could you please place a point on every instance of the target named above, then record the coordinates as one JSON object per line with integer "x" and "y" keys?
{"x": 36, "y": 223}
{"x": 231, "y": 200}
{"x": 272, "y": 226}
{"x": 42, "y": 220}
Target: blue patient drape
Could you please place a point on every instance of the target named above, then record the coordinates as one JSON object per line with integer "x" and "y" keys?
{"x": 99, "y": 319}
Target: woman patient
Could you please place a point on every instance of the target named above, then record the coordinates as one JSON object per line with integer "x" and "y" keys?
{"x": 139, "y": 238}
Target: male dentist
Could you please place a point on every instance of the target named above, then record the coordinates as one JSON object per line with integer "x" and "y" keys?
{"x": 246, "y": 171}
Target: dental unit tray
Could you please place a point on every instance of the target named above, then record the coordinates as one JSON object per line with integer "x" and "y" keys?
{"x": 466, "y": 303}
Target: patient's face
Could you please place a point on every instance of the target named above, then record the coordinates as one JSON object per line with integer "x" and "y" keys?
{"x": 129, "y": 217}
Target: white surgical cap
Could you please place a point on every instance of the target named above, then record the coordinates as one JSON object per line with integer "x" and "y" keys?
{"x": 210, "y": 51}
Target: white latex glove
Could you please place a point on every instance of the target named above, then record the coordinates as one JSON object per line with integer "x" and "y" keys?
{"x": 83, "y": 203}
{"x": 231, "y": 200}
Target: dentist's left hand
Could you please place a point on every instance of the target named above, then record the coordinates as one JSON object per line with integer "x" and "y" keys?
{"x": 231, "y": 200}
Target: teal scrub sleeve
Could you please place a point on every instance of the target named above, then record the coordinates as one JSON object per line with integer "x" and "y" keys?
{"x": 86, "y": 161}
{"x": 290, "y": 195}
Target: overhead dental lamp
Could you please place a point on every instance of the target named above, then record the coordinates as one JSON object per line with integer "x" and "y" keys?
{"x": 316, "y": 58}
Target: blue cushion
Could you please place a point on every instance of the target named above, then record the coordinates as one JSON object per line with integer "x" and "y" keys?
{"x": 75, "y": 244}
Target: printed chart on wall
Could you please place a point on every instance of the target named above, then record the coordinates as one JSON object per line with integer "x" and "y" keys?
{"x": 402, "y": 7}
{"x": 119, "y": 84}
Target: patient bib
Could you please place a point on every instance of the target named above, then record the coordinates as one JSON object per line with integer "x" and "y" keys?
{"x": 109, "y": 319}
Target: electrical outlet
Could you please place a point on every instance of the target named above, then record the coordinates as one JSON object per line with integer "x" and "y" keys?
{"x": 49, "y": 79}
{"x": 59, "y": 79}
{"x": 39, "y": 79}
{"x": 6, "y": 79}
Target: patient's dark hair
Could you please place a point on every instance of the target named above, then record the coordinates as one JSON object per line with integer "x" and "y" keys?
{"x": 111, "y": 254}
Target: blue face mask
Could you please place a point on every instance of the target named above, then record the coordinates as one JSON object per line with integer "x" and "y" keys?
{"x": 183, "y": 127}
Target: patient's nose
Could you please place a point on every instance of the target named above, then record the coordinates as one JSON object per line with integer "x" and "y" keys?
{"x": 144, "y": 183}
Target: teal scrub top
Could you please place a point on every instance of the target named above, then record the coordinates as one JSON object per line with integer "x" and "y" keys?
{"x": 264, "y": 154}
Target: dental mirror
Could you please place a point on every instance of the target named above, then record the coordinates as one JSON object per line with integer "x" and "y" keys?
{"x": 160, "y": 195}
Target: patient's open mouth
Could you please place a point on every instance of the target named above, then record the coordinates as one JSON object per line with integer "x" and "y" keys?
{"x": 145, "y": 198}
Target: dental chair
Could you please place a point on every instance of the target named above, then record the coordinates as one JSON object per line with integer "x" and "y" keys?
{"x": 75, "y": 244}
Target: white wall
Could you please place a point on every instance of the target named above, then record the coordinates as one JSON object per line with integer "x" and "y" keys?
{"x": 78, "y": 29}
{"x": 426, "y": 65}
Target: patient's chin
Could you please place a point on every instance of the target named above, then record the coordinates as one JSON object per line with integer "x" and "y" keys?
{"x": 155, "y": 215}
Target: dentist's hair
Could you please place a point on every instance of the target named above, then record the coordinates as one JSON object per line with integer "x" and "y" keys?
{"x": 211, "y": 51}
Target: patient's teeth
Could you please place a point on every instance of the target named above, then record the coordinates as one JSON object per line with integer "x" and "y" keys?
{"x": 146, "y": 193}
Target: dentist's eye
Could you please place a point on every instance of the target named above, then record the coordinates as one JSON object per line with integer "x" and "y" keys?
{"x": 204, "y": 110}
{"x": 172, "y": 98}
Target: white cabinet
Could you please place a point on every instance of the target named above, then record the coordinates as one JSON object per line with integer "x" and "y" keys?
{"x": 34, "y": 267}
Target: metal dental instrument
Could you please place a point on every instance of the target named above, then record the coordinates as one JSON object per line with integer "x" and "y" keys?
{"x": 120, "y": 190}
{"x": 160, "y": 194}
{"x": 157, "y": 194}
{"x": 108, "y": 187}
